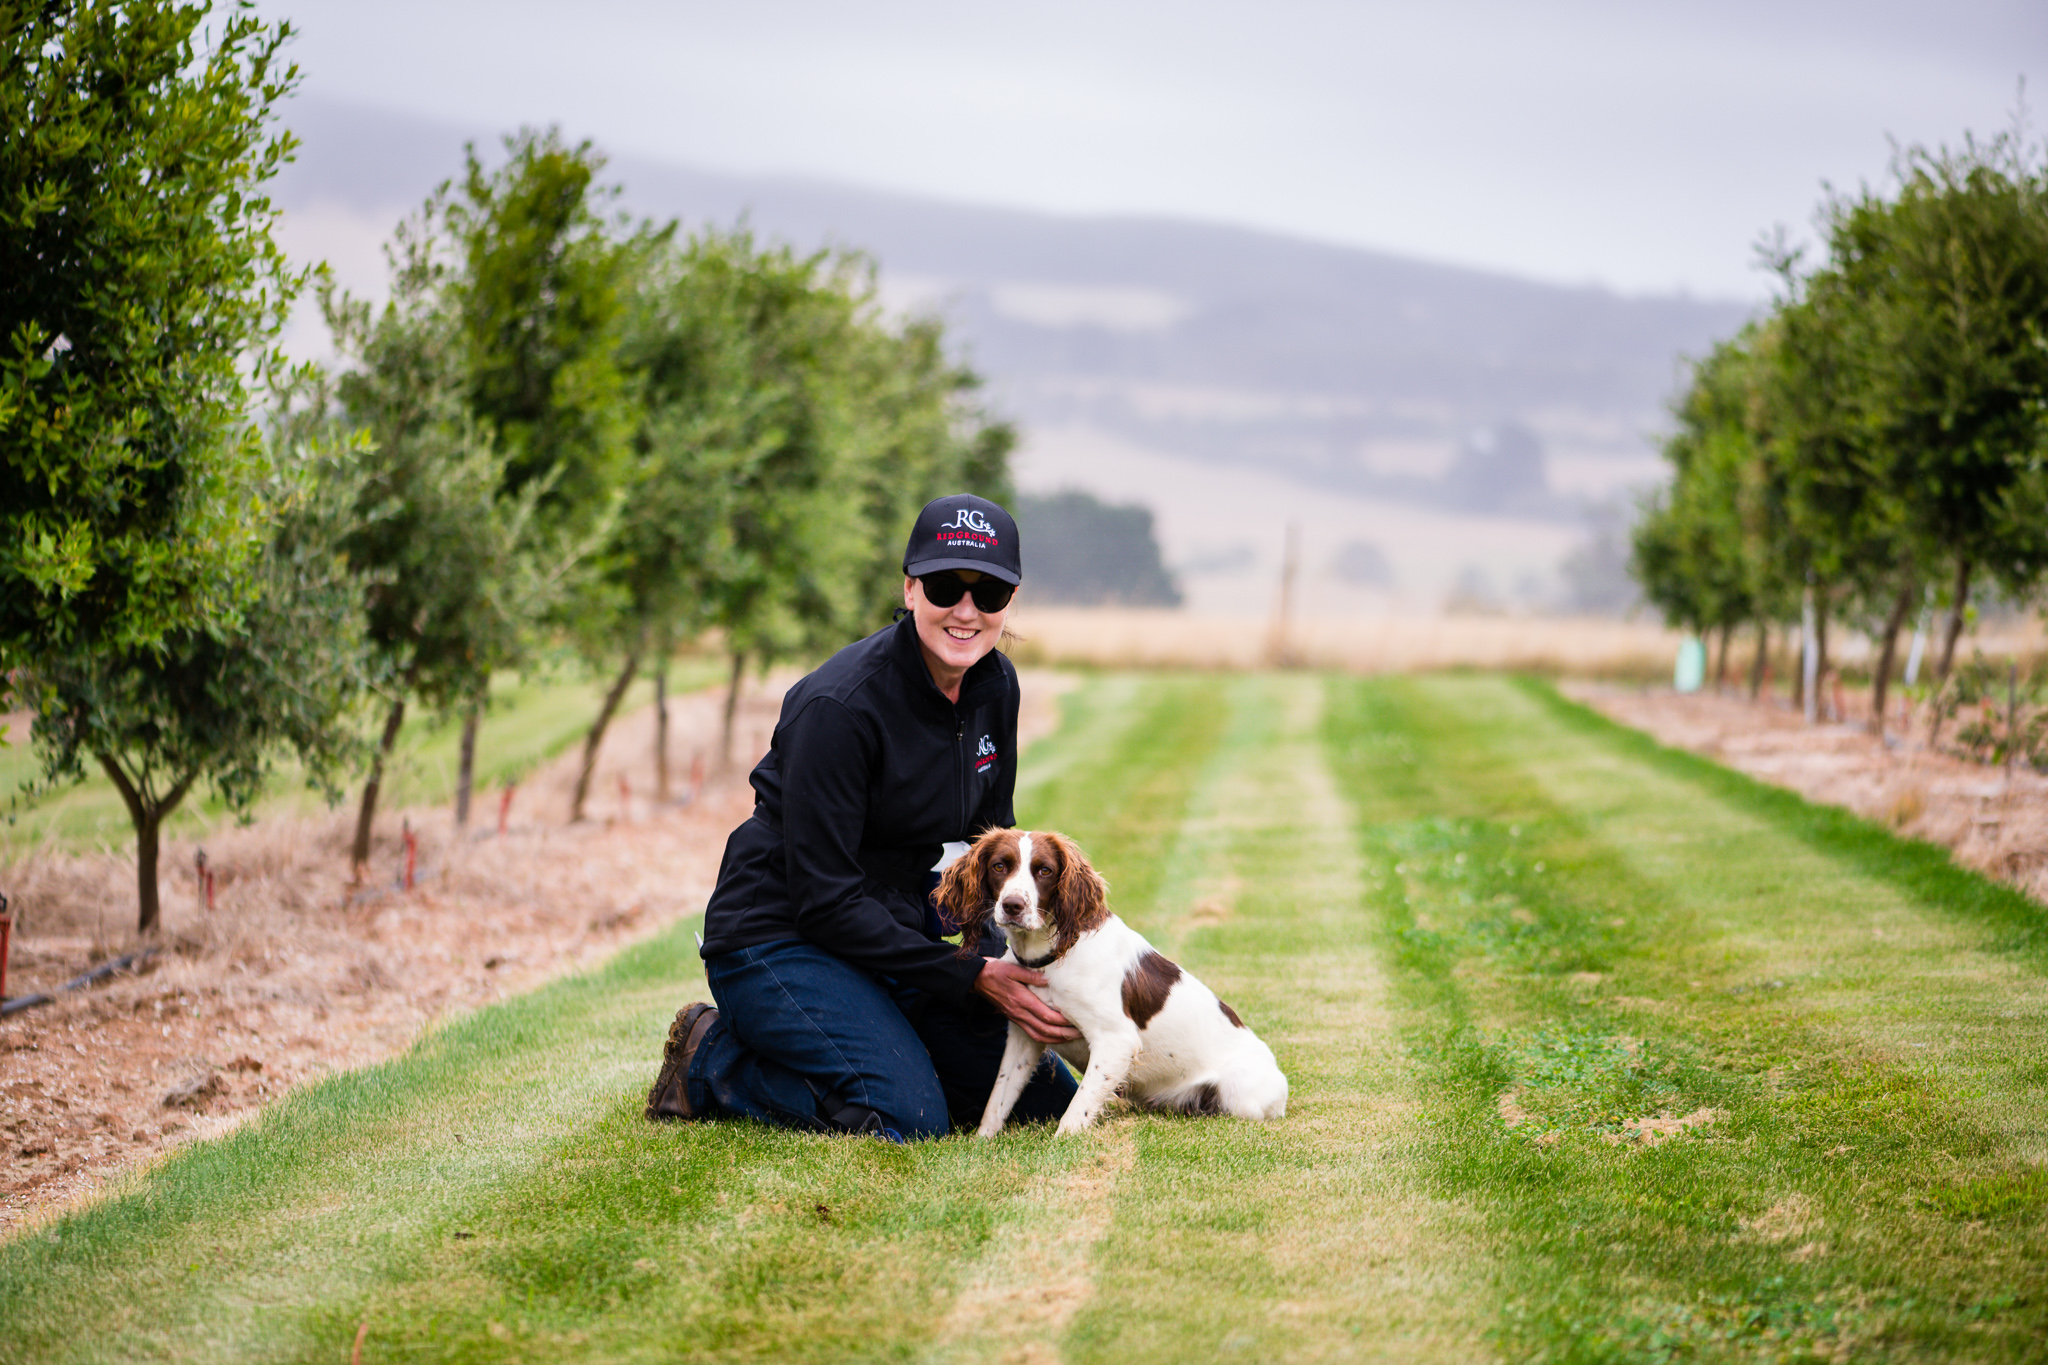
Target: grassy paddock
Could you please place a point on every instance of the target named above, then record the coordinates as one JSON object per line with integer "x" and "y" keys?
{"x": 1598, "y": 1053}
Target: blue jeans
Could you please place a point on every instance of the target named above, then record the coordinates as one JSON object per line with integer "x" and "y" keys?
{"x": 806, "y": 1040}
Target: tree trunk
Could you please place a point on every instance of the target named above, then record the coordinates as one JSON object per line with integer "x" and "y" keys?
{"x": 1880, "y": 684}
{"x": 1763, "y": 657}
{"x": 595, "y": 738}
{"x": 359, "y": 853}
{"x": 1819, "y": 631}
{"x": 1955, "y": 621}
{"x": 661, "y": 729}
{"x": 465, "y": 772}
{"x": 148, "y": 818}
{"x": 1721, "y": 664}
{"x": 732, "y": 706}
{"x": 1820, "y": 648}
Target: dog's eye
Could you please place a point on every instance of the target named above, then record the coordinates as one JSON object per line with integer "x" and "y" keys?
{"x": 1041, "y": 872}
{"x": 998, "y": 866}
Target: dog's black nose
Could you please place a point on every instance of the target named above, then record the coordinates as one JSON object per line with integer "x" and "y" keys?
{"x": 1013, "y": 904}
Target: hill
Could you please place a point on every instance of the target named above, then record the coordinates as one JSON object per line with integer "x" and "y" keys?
{"x": 1295, "y": 363}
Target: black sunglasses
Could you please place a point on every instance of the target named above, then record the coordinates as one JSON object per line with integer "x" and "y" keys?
{"x": 944, "y": 589}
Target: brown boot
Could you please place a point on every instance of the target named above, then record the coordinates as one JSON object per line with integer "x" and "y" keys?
{"x": 670, "y": 1097}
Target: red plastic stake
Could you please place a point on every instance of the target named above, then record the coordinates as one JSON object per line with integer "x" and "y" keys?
{"x": 505, "y": 806}
{"x": 209, "y": 888}
{"x": 625, "y": 798}
{"x": 696, "y": 776}
{"x": 412, "y": 853}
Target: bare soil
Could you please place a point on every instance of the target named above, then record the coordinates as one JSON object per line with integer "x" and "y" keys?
{"x": 1992, "y": 822}
{"x": 296, "y": 973}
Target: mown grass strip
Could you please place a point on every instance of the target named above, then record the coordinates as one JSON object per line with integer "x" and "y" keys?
{"x": 1292, "y": 1241}
{"x": 1658, "y": 1065}
{"x": 1921, "y": 869}
{"x": 495, "y": 1195}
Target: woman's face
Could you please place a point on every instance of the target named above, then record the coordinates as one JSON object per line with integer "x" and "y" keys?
{"x": 954, "y": 638}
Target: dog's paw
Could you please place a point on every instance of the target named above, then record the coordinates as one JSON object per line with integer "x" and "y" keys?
{"x": 988, "y": 1130}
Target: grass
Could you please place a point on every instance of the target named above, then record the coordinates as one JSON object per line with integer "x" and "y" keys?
{"x": 530, "y": 720}
{"x": 1493, "y": 940}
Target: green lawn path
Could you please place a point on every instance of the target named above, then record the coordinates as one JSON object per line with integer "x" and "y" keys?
{"x": 1487, "y": 934}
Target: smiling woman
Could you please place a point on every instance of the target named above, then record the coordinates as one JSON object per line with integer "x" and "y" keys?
{"x": 841, "y": 1007}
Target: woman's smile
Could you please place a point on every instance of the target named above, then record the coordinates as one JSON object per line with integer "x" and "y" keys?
{"x": 953, "y": 639}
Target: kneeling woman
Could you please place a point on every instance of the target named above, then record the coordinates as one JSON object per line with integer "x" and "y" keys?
{"x": 840, "y": 1008}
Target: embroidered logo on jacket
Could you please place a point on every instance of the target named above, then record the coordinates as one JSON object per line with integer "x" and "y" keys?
{"x": 985, "y": 755}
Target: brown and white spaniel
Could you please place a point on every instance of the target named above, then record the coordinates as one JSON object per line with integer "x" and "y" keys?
{"x": 1147, "y": 1028}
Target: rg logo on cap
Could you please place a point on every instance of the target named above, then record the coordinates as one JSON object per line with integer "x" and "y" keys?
{"x": 968, "y": 519}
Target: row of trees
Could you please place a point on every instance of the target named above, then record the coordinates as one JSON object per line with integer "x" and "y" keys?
{"x": 563, "y": 427}
{"x": 1877, "y": 445}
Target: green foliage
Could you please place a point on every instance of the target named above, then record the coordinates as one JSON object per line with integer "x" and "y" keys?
{"x": 1694, "y": 544}
{"x": 1886, "y": 426}
{"x": 137, "y": 278}
{"x": 541, "y": 297}
{"x": 788, "y": 437}
{"x": 174, "y": 603}
{"x": 454, "y": 579}
{"x": 219, "y": 705}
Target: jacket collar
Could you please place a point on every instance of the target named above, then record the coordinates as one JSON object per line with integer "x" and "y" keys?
{"x": 984, "y": 679}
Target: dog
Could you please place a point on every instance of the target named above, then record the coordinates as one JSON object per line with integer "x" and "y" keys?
{"x": 1148, "y": 1028}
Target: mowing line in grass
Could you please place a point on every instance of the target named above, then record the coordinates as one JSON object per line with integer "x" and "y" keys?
{"x": 495, "y": 1193}
{"x": 1667, "y": 1048}
{"x": 1594, "y": 1056}
{"x": 1292, "y": 1241}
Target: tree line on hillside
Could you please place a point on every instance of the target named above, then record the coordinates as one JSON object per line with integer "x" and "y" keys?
{"x": 562, "y": 427}
{"x": 1876, "y": 446}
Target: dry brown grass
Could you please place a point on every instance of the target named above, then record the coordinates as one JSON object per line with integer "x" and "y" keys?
{"x": 1129, "y": 638}
{"x": 296, "y": 973}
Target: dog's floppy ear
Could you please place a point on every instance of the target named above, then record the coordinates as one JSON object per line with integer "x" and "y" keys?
{"x": 1081, "y": 897}
{"x": 963, "y": 893}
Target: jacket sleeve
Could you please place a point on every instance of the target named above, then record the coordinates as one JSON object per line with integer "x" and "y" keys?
{"x": 827, "y": 759}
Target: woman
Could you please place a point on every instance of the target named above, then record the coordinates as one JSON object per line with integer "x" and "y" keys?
{"x": 840, "y": 1007}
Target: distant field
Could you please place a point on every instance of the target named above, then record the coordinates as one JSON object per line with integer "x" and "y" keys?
{"x": 1132, "y": 638}
{"x": 1599, "y": 1053}
{"x": 529, "y": 722}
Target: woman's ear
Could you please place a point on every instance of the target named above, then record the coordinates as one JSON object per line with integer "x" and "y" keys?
{"x": 1082, "y": 894}
{"x": 963, "y": 897}
{"x": 909, "y": 592}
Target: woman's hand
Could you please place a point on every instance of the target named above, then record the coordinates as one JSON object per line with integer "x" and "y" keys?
{"x": 1007, "y": 987}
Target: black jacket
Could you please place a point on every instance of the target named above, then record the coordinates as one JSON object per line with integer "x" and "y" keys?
{"x": 870, "y": 773}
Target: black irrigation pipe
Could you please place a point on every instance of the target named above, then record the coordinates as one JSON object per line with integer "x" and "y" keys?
{"x": 79, "y": 983}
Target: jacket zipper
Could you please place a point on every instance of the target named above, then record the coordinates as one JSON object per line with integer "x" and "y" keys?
{"x": 960, "y": 766}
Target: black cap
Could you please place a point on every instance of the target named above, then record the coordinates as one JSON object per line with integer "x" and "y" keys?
{"x": 961, "y": 531}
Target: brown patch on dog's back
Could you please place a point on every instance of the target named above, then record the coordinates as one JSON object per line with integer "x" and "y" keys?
{"x": 1229, "y": 1013}
{"x": 1146, "y": 986}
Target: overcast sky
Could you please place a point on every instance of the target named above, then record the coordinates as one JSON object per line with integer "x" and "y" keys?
{"x": 1639, "y": 145}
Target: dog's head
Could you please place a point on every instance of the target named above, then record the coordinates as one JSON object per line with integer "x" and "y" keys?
{"x": 1028, "y": 880}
